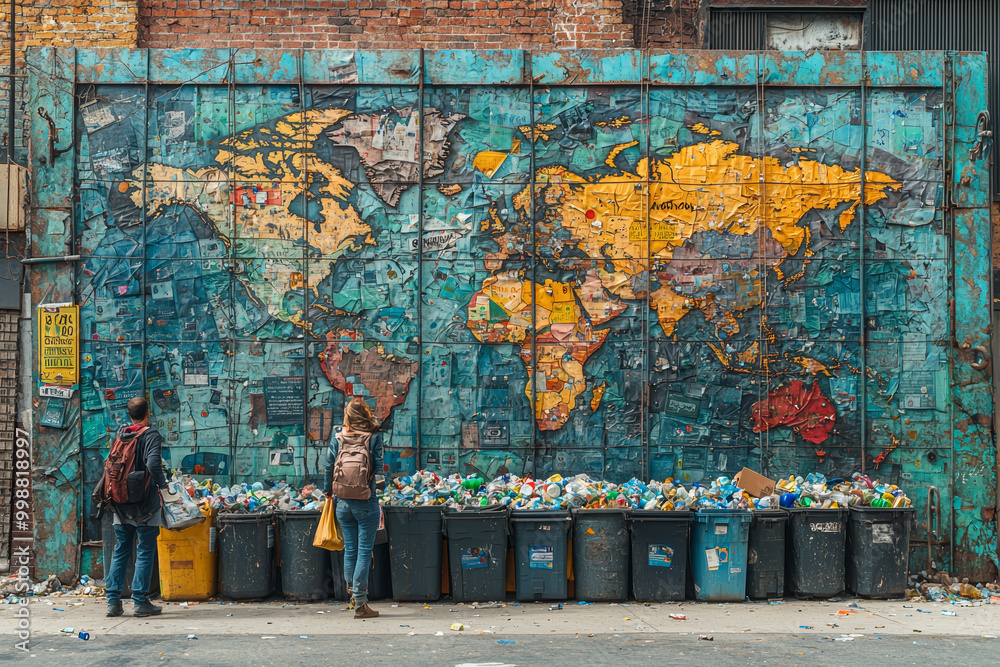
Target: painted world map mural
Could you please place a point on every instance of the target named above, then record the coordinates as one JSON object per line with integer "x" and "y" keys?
{"x": 615, "y": 280}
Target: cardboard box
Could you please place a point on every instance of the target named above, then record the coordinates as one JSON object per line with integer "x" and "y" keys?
{"x": 754, "y": 483}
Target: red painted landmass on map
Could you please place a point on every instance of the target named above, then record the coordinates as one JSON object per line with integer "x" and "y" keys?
{"x": 805, "y": 409}
{"x": 369, "y": 373}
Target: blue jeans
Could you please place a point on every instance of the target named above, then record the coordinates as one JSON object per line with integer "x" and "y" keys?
{"x": 359, "y": 521}
{"x": 125, "y": 535}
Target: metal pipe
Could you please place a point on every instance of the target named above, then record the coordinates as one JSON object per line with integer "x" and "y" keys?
{"x": 862, "y": 214}
{"x": 10, "y": 83}
{"x": 418, "y": 436}
{"x": 307, "y": 343}
{"x": 933, "y": 510}
{"x": 647, "y": 427}
{"x": 532, "y": 399}
{"x": 50, "y": 260}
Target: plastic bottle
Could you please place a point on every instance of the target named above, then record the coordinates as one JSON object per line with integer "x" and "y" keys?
{"x": 788, "y": 500}
{"x": 967, "y": 590}
{"x": 472, "y": 483}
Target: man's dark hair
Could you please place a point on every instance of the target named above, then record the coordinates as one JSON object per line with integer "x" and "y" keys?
{"x": 138, "y": 408}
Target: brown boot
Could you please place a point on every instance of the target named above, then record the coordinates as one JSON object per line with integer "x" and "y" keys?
{"x": 364, "y": 611}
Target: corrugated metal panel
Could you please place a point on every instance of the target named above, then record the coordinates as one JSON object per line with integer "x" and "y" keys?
{"x": 736, "y": 30}
{"x": 941, "y": 25}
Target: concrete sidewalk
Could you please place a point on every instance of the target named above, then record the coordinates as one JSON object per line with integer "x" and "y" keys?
{"x": 830, "y": 620}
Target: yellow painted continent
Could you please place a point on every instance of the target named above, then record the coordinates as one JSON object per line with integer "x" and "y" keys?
{"x": 565, "y": 340}
{"x": 702, "y": 188}
{"x": 285, "y": 158}
{"x": 627, "y": 222}
{"x": 282, "y": 166}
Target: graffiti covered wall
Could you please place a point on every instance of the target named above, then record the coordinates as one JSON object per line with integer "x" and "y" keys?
{"x": 629, "y": 266}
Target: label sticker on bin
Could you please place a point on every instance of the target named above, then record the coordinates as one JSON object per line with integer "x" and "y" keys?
{"x": 541, "y": 558}
{"x": 715, "y": 556}
{"x": 474, "y": 558}
{"x": 882, "y": 533}
{"x": 825, "y": 527}
{"x": 660, "y": 555}
{"x": 721, "y": 528}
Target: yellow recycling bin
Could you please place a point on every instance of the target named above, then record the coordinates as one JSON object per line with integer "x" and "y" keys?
{"x": 189, "y": 560}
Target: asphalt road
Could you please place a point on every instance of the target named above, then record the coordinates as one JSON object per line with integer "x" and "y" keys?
{"x": 483, "y": 650}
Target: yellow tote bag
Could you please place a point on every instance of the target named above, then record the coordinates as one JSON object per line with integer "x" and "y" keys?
{"x": 329, "y": 536}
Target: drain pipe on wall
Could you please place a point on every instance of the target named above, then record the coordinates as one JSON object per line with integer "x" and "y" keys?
{"x": 50, "y": 260}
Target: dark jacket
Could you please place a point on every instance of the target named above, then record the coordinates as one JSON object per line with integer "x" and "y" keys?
{"x": 375, "y": 445}
{"x": 148, "y": 455}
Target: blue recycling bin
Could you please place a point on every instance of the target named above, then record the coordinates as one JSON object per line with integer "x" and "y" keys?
{"x": 719, "y": 554}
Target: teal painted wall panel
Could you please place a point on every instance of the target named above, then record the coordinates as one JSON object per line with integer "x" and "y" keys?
{"x": 621, "y": 264}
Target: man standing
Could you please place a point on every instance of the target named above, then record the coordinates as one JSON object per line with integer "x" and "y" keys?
{"x": 138, "y": 521}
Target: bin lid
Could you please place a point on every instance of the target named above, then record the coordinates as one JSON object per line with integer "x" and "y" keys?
{"x": 539, "y": 515}
{"x": 285, "y": 515}
{"x": 881, "y": 510}
{"x": 472, "y": 511}
{"x": 715, "y": 514}
{"x": 245, "y": 518}
{"x": 599, "y": 510}
{"x": 413, "y": 508}
{"x": 661, "y": 515}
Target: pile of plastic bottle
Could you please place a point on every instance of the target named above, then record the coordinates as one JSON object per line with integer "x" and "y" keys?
{"x": 12, "y": 588}
{"x": 817, "y": 492}
{"x": 253, "y": 498}
{"x": 557, "y": 492}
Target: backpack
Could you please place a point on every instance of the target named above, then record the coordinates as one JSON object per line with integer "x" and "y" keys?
{"x": 123, "y": 484}
{"x": 352, "y": 469}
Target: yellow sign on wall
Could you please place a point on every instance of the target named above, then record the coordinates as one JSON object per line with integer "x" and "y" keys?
{"x": 58, "y": 344}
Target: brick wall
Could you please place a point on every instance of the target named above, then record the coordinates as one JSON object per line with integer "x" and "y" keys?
{"x": 384, "y": 24}
{"x": 81, "y": 23}
{"x": 8, "y": 418}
